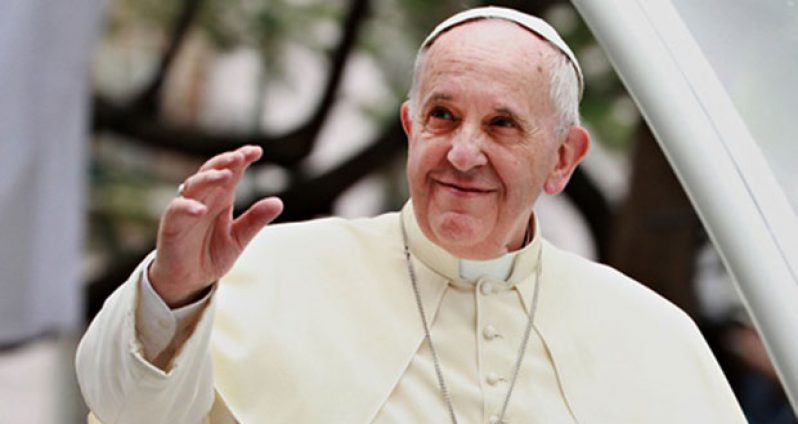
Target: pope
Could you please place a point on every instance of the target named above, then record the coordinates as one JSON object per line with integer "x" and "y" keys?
{"x": 454, "y": 309}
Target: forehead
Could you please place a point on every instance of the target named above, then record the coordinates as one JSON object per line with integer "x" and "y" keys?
{"x": 489, "y": 30}
{"x": 495, "y": 51}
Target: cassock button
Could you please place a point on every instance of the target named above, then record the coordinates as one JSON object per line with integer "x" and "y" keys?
{"x": 489, "y": 332}
{"x": 493, "y": 378}
{"x": 486, "y": 288}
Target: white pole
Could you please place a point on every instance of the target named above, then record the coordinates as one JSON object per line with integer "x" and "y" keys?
{"x": 723, "y": 171}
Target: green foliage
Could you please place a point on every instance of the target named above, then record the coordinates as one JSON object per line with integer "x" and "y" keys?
{"x": 390, "y": 37}
{"x": 265, "y": 25}
{"x": 605, "y": 105}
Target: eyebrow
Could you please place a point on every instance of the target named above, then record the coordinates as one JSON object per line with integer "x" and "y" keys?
{"x": 505, "y": 111}
{"x": 437, "y": 97}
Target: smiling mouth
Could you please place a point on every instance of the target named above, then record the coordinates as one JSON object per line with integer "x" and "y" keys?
{"x": 464, "y": 189}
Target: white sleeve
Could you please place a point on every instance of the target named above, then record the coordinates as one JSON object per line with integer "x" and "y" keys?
{"x": 156, "y": 323}
{"x": 121, "y": 386}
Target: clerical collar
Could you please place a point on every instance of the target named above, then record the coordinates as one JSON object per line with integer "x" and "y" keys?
{"x": 495, "y": 269}
{"x": 511, "y": 268}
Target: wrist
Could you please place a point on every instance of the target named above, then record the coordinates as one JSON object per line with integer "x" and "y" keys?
{"x": 171, "y": 293}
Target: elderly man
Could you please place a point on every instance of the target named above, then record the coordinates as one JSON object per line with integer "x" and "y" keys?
{"x": 452, "y": 310}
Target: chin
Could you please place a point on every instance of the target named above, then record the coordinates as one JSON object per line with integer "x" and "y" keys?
{"x": 457, "y": 229}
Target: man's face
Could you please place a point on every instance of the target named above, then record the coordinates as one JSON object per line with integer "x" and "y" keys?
{"x": 483, "y": 138}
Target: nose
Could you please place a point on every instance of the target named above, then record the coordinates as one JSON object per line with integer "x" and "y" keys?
{"x": 466, "y": 153}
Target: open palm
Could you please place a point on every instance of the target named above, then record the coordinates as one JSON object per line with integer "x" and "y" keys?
{"x": 198, "y": 239}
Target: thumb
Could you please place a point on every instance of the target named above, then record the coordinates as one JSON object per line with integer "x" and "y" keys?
{"x": 246, "y": 226}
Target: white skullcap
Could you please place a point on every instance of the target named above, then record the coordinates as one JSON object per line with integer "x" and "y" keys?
{"x": 532, "y": 23}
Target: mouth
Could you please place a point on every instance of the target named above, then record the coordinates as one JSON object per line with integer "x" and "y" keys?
{"x": 464, "y": 189}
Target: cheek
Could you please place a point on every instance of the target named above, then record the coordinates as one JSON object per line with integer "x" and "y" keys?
{"x": 415, "y": 157}
{"x": 513, "y": 168}
{"x": 521, "y": 175}
{"x": 423, "y": 156}
{"x": 417, "y": 167}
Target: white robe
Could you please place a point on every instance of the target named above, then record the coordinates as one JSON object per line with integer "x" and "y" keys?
{"x": 318, "y": 323}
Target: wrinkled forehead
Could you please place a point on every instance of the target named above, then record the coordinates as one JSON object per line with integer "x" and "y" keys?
{"x": 494, "y": 40}
{"x": 435, "y": 35}
{"x": 497, "y": 50}
{"x": 533, "y": 24}
{"x": 491, "y": 65}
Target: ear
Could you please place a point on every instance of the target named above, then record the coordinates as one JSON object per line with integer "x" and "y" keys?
{"x": 407, "y": 121}
{"x": 571, "y": 151}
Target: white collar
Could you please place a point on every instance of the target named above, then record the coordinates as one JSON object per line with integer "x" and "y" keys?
{"x": 495, "y": 269}
{"x": 512, "y": 267}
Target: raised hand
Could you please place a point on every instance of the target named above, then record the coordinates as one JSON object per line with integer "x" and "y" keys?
{"x": 198, "y": 239}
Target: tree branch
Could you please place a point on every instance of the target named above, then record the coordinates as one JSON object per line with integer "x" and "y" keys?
{"x": 594, "y": 207}
{"x": 148, "y": 99}
{"x": 285, "y": 150}
{"x": 309, "y": 198}
{"x": 304, "y": 200}
{"x": 139, "y": 120}
{"x": 358, "y": 11}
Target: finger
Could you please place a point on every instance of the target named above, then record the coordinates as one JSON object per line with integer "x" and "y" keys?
{"x": 251, "y": 153}
{"x": 236, "y": 162}
{"x": 242, "y": 159}
{"x": 233, "y": 159}
{"x": 181, "y": 215}
{"x": 248, "y": 154}
{"x": 224, "y": 160}
{"x": 198, "y": 185}
{"x": 246, "y": 226}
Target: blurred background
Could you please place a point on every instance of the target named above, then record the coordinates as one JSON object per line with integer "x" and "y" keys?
{"x": 105, "y": 107}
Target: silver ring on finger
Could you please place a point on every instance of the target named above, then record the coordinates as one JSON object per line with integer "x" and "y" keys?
{"x": 181, "y": 189}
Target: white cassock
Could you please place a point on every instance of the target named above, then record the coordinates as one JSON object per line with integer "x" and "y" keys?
{"x": 318, "y": 323}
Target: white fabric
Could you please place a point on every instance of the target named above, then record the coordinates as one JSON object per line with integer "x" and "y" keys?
{"x": 133, "y": 390}
{"x": 157, "y": 323}
{"x": 329, "y": 332}
{"x": 479, "y": 314}
{"x": 498, "y": 268}
{"x": 44, "y": 53}
{"x": 477, "y": 327}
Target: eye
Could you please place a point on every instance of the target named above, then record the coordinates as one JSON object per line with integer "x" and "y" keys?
{"x": 503, "y": 122}
{"x": 439, "y": 112}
